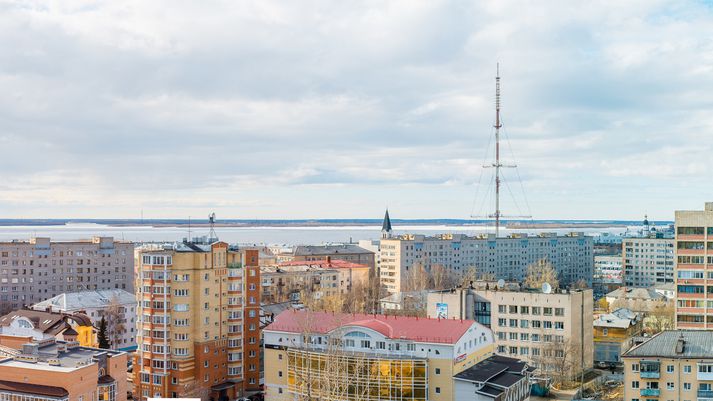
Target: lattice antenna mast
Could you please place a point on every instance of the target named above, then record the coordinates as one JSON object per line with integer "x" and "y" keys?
{"x": 497, "y": 165}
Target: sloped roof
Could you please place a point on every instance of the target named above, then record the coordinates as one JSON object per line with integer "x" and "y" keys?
{"x": 636, "y": 293}
{"x": 411, "y": 328}
{"x": 86, "y": 299}
{"x": 27, "y": 388}
{"x": 620, "y": 318}
{"x": 331, "y": 250}
{"x": 386, "y": 225}
{"x": 696, "y": 344}
{"x": 43, "y": 321}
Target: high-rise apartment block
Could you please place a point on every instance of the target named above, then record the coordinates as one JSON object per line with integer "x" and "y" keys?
{"x": 34, "y": 270}
{"x": 198, "y": 322}
{"x": 504, "y": 257}
{"x": 648, "y": 261}
{"x": 694, "y": 268}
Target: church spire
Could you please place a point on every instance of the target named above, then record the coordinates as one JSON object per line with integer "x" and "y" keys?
{"x": 386, "y": 226}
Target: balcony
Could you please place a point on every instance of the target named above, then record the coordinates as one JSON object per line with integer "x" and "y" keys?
{"x": 705, "y": 372}
{"x": 650, "y": 392}
{"x": 705, "y": 393}
{"x": 650, "y": 375}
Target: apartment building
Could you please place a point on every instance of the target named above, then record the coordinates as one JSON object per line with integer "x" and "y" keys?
{"x": 504, "y": 257}
{"x": 322, "y": 278}
{"x": 198, "y": 322}
{"x": 694, "y": 259}
{"x": 347, "y": 252}
{"x": 648, "y": 261}
{"x": 672, "y": 365}
{"x": 116, "y": 306}
{"x": 530, "y": 325}
{"x": 329, "y": 356}
{"x": 34, "y": 270}
{"x": 53, "y": 370}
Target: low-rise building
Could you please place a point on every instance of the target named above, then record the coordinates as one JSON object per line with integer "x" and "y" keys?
{"x": 42, "y": 326}
{"x": 672, "y": 365}
{"x": 496, "y": 378}
{"x": 369, "y": 357}
{"x": 411, "y": 302}
{"x": 53, "y": 370}
{"x": 321, "y": 278}
{"x": 614, "y": 334}
{"x": 635, "y": 299}
{"x": 530, "y": 325}
{"x": 347, "y": 252}
{"x": 117, "y": 306}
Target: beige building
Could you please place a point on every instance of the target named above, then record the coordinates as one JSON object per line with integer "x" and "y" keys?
{"x": 60, "y": 371}
{"x": 647, "y": 261}
{"x": 529, "y": 325}
{"x": 322, "y": 278}
{"x": 694, "y": 261}
{"x": 672, "y": 365}
{"x": 369, "y": 357}
{"x": 32, "y": 271}
{"x": 504, "y": 257}
{"x": 347, "y": 252}
{"x": 198, "y": 321}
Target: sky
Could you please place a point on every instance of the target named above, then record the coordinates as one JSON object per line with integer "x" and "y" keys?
{"x": 323, "y": 109}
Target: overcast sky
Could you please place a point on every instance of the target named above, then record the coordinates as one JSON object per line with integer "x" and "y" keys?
{"x": 302, "y": 109}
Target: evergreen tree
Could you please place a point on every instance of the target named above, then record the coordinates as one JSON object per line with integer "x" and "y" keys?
{"x": 102, "y": 336}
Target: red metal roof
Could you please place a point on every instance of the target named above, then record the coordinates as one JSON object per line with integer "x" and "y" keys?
{"x": 395, "y": 327}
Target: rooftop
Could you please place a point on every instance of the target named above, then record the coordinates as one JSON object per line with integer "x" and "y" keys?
{"x": 645, "y": 294}
{"x": 323, "y": 250}
{"x": 35, "y": 389}
{"x": 59, "y": 356}
{"x": 621, "y": 318}
{"x": 497, "y": 373}
{"x": 328, "y": 263}
{"x": 695, "y": 344}
{"x": 86, "y": 299}
{"x": 425, "y": 330}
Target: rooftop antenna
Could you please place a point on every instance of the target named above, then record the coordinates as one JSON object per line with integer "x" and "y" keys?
{"x": 211, "y": 220}
{"x": 497, "y": 164}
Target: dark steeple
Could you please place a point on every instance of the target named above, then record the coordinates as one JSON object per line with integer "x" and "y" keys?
{"x": 386, "y": 226}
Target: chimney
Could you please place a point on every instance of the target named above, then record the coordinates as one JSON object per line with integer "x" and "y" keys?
{"x": 329, "y": 259}
{"x": 680, "y": 344}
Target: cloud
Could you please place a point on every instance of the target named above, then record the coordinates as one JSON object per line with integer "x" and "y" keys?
{"x": 324, "y": 109}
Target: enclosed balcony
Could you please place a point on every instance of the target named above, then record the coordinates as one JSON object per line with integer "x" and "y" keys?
{"x": 650, "y": 370}
{"x": 650, "y": 392}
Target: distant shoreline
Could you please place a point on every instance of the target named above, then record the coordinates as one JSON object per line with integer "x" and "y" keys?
{"x": 168, "y": 223}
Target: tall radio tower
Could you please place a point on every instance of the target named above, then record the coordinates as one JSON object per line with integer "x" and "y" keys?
{"x": 497, "y": 165}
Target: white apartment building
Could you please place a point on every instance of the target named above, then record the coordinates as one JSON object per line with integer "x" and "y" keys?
{"x": 648, "y": 261}
{"x": 32, "y": 271}
{"x": 507, "y": 258}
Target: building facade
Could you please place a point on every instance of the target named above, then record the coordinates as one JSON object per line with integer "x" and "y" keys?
{"x": 198, "y": 322}
{"x": 614, "y": 334}
{"x": 504, "y": 257}
{"x": 53, "y": 370}
{"x": 672, "y": 365}
{"x": 694, "y": 259}
{"x": 532, "y": 326}
{"x": 32, "y": 271}
{"x": 315, "y": 355}
{"x": 648, "y": 261}
{"x": 322, "y": 278}
{"x": 117, "y": 306}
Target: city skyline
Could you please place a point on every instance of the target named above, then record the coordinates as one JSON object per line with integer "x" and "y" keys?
{"x": 289, "y": 111}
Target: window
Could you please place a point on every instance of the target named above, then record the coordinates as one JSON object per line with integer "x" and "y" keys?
{"x": 547, "y": 324}
{"x": 559, "y": 311}
{"x": 669, "y": 386}
{"x": 547, "y": 311}
{"x": 438, "y": 371}
{"x": 687, "y": 369}
{"x": 669, "y": 368}
{"x": 535, "y": 310}
{"x": 559, "y": 325}
{"x": 634, "y": 367}
{"x": 513, "y": 309}
{"x": 687, "y": 386}
{"x": 438, "y": 390}
{"x": 605, "y": 332}
{"x": 635, "y": 384}
{"x": 502, "y": 309}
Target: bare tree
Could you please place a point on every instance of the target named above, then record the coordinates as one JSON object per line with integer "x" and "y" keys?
{"x": 417, "y": 278}
{"x": 443, "y": 277}
{"x": 662, "y": 317}
{"x": 561, "y": 361}
{"x": 539, "y": 273}
{"x": 115, "y": 317}
{"x": 474, "y": 274}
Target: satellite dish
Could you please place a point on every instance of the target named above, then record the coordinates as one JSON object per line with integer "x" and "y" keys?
{"x": 501, "y": 283}
{"x": 546, "y": 288}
